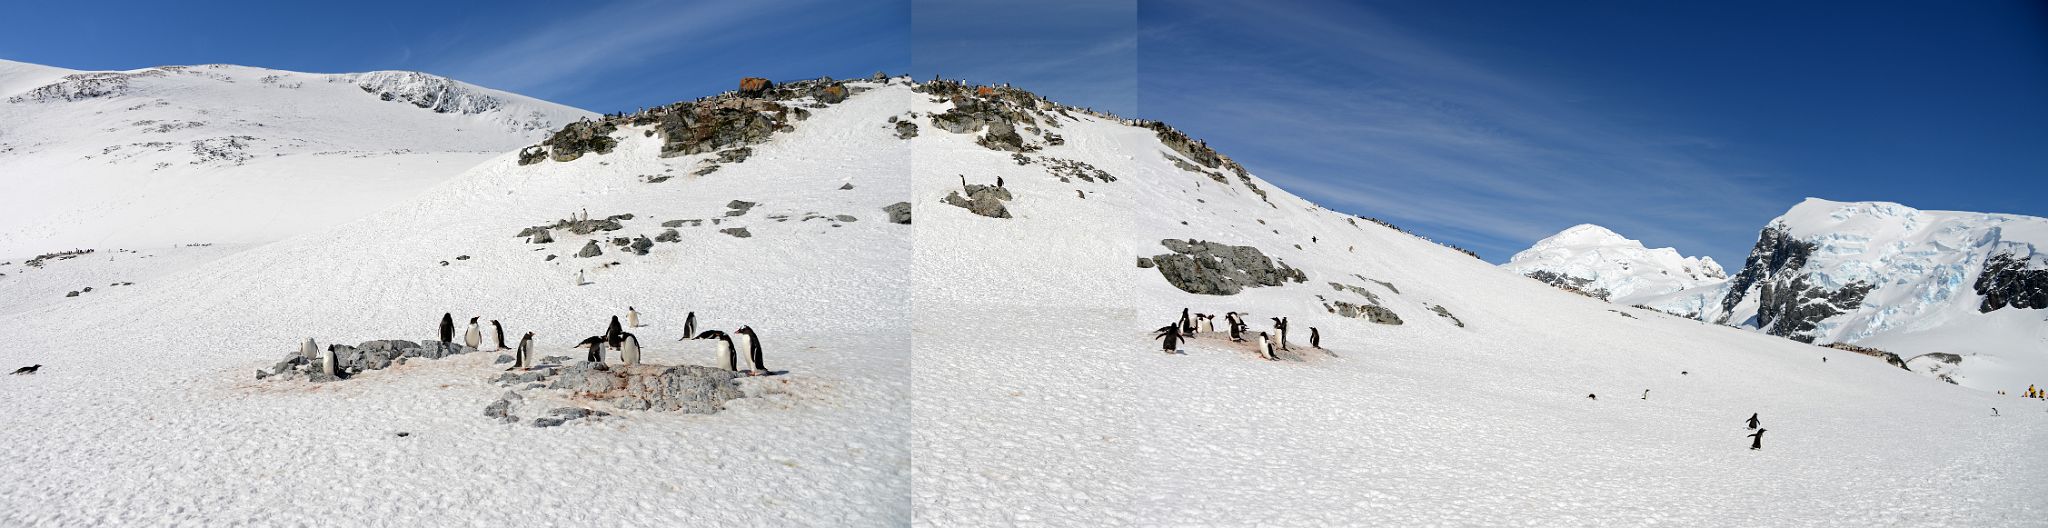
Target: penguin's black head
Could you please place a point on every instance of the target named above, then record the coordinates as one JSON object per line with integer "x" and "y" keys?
{"x": 472, "y": 320}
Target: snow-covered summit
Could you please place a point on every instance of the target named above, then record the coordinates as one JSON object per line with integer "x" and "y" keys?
{"x": 1599, "y": 262}
{"x": 221, "y": 153}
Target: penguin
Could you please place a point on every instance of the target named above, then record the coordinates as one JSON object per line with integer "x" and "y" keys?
{"x": 579, "y": 278}
{"x": 1592, "y": 397}
{"x": 1280, "y": 325}
{"x": 499, "y": 331}
{"x": 612, "y": 333}
{"x": 1171, "y": 336}
{"x": 963, "y": 183}
{"x": 474, "y": 337}
{"x": 1752, "y": 421}
{"x": 1186, "y": 326}
{"x": 732, "y": 362}
{"x": 999, "y": 182}
{"x": 1266, "y": 348}
{"x": 309, "y": 350}
{"x": 1315, "y": 338}
{"x": 753, "y": 349}
{"x": 31, "y": 369}
{"x": 523, "y": 357}
{"x": 447, "y": 328}
{"x": 595, "y": 344}
{"x": 630, "y": 353}
{"x": 632, "y": 318}
{"x": 1236, "y": 327}
{"x": 1646, "y": 394}
{"x": 689, "y": 327}
{"x": 327, "y": 362}
{"x": 1759, "y": 442}
{"x": 1205, "y": 323}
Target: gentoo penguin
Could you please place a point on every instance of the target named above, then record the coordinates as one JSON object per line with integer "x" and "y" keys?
{"x": 1187, "y": 326}
{"x": 1315, "y": 338}
{"x": 999, "y": 182}
{"x": 629, "y": 353}
{"x": 579, "y": 277}
{"x": 523, "y": 357}
{"x": 447, "y": 328}
{"x": 595, "y": 344}
{"x": 1759, "y": 442}
{"x": 732, "y": 361}
{"x": 1266, "y": 348}
{"x": 1280, "y": 325}
{"x": 309, "y": 350}
{"x": 632, "y": 318}
{"x": 1236, "y": 327}
{"x": 1752, "y": 421}
{"x": 31, "y": 369}
{"x": 475, "y": 336}
{"x": 327, "y": 362}
{"x": 1205, "y": 323}
{"x": 1170, "y": 337}
{"x": 690, "y": 326}
{"x": 611, "y": 333}
{"x": 498, "y": 330}
{"x": 753, "y": 348}
{"x": 742, "y": 342}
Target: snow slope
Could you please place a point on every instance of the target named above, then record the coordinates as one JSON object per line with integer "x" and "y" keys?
{"x": 217, "y": 153}
{"x": 1042, "y": 400}
{"x": 1621, "y": 267}
{"x": 1892, "y": 277}
{"x": 146, "y": 411}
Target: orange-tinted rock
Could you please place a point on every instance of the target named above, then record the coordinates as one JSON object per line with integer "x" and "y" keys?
{"x": 754, "y": 86}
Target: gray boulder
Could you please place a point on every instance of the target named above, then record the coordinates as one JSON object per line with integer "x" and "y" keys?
{"x": 899, "y": 212}
{"x": 590, "y": 249}
{"x": 1210, "y": 268}
{"x": 740, "y": 232}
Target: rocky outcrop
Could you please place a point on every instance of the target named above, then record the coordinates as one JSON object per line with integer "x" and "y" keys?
{"x": 350, "y": 361}
{"x": 590, "y": 249}
{"x": 687, "y": 388}
{"x": 737, "y": 232}
{"x": 906, "y": 130}
{"x": 1888, "y": 357}
{"x": 899, "y": 212}
{"x": 1789, "y": 302}
{"x": 706, "y": 126}
{"x": 2006, "y": 281}
{"x": 1210, "y": 268}
{"x": 739, "y": 207}
{"x": 1370, "y": 312}
{"x": 1568, "y": 283}
{"x": 578, "y": 138}
{"x": 984, "y": 200}
{"x": 1775, "y": 253}
{"x": 1441, "y": 312}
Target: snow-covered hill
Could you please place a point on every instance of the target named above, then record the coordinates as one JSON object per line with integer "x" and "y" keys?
{"x": 1594, "y": 260}
{"x": 1043, "y": 399}
{"x": 231, "y": 154}
{"x": 146, "y": 410}
{"x": 1902, "y": 280}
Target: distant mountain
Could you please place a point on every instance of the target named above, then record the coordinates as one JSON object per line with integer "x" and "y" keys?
{"x": 219, "y": 153}
{"x": 1594, "y": 260}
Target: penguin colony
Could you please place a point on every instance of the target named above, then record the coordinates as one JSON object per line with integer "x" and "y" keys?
{"x": 595, "y": 348}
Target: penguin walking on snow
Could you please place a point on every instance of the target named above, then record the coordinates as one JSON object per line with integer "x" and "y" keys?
{"x": 448, "y": 328}
{"x": 499, "y": 331}
{"x": 732, "y": 361}
{"x": 753, "y": 349}
{"x": 1315, "y": 338}
{"x": 475, "y": 336}
{"x": 629, "y": 352}
{"x": 523, "y": 357}
{"x": 632, "y": 318}
{"x": 612, "y": 334}
{"x": 1752, "y": 421}
{"x": 31, "y": 369}
{"x": 1280, "y": 326}
{"x": 689, "y": 327}
{"x": 1171, "y": 336}
{"x": 1266, "y": 348}
{"x": 1758, "y": 440}
{"x": 1236, "y": 327}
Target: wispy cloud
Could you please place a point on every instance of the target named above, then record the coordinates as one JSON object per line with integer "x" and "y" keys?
{"x": 1350, "y": 109}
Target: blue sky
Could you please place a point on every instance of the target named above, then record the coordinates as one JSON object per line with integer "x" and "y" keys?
{"x": 597, "y": 55}
{"x": 1485, "y": 124}
{"x": 1685, "y": 124}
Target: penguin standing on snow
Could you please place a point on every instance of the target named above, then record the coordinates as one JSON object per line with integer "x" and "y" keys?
{"x": 1266, "y": 348}
{"x": 309, "y": 350}
{"x": 327, "y": 362}
{"x": 498, "y": 330}
{"x": 632, "y": 318}
{"x": 1236, "y": 327}
{"x": 753, "y": 349}
{"x": 475, "y": 336}
{"x": 447, "y": 328}
{"x": 1752, "y": 421}
{"x": 1170, "y": 336}
{"x": 629, "y": 353}
{"x": 523, "y": 357}
{"x": 1315, "y": 338}
{"x": 1187, "y": 326}
{"x": 613, "y": 333}
{"x": 595, "y": 346}
{"x": 689, "y": 327}
{"x": 1758, "y": 442}
{"x": 1205, "y": 323}
{"x": 1280, "y": 326}
{"x": 732, "y": 362}
{"x": 579, "y": 278}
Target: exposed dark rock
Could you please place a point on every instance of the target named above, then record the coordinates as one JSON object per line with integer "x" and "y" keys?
{"x": 1064, "y": 169}
{"x": 754, "y": 86}
{"x": 984, "y": 200}
{"x": 581, "y": 137}
{"x": 669, "y": 236}
{"x": 1440, "y": 311}
{"x": 2006, "y": 281}
{"x": 735, "y": 155}
{"x": 1144, "y": 262}
{"x": 640, "y": 245}
{"x": 1888, "y": 357}
{"x": 590, "y": 249}
{"x": 1569, "y": 283}
{"x": 739, "y": 207}
{"x": 906, "y": 130}
{"x": 740, "y": 232}
{"x": 847, "y": 187}
{"x": 1002, "y": 136}
{"x": 1371, "y": 312}
{"x": 899, "y": 212}
{"x": 1211, "y": 268}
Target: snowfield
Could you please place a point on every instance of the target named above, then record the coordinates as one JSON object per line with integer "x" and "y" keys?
{"x": 965, "y": 370}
